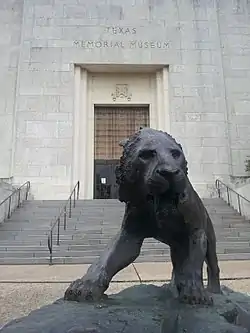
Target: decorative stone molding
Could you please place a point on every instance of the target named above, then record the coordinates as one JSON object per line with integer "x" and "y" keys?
{"x": 121, "y": 92}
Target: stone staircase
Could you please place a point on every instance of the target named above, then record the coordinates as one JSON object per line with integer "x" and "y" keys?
{"x": 24, "y": 238}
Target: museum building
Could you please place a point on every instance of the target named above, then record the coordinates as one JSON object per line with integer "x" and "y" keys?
{"x": 78, "y": 76}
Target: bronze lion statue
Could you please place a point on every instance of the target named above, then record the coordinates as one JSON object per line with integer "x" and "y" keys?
{"x": 161, "y": 203}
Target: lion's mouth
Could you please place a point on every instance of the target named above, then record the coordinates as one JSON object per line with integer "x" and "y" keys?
{"x": 158, "y": 187}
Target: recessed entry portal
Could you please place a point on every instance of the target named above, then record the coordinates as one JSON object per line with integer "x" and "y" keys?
{"x": 113, "y": 124}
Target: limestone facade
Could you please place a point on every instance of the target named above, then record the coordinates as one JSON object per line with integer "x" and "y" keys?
{"x": 188, "y": 60}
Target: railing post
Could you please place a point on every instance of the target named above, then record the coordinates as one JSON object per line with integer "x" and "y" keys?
{"x": 78, "y": 189}
{"x": 64, "y": 218}
{"x": 9, "y": 210}
{"x": 239, "y": 206}
{"x": 57, "y": 222}
{"x": 19, "y": 198}
{"x": 27, "y": 191}
{"x": 70, "y": 206}
{"x": 51, "y": 248}
{"x": 219, "y": 194}
{"x": 217, "y": 186}
{"x": 58, "y": 231}
{"x": 228, "y": 198}
{"x": 74, "y": 202}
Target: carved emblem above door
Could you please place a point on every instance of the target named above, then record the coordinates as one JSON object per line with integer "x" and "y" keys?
{"x": 121, "y": 92}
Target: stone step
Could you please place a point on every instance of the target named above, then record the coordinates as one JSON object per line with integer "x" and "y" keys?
{"x": 87, "y": 243}
{"x": 24, "y": 238}
{"x": 86, "y": 240}
{"x": 40, "y": 221}
{"x": 83, "y": 227}
{"x": 45, "y": 254}
{"x": 208, "y": 201}
{"x": 89, "y": 219}
{"x": 225, "y": 215}
{"x": 16, "y": 234}
{"x": 72, "y": 224}
{"x": 105, "y": 237}
{"x": 23, "y": 248}
{"x": 95, "y": 213}
{"x": 80, "y": 231}
{"x": 45, "y": 261}
{"x": 104, "y": 205}
{"x": 83, "y": 247}
{"x": 64, "y": 253}
{"x": 69, "y": 230}
{"x": 108, "y": 235}
{"x": 88, "y": 251}
{"x": 87, "y": 210}
{"x": 107, "y": 210}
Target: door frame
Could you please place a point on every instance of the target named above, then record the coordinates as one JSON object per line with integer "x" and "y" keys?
{"x": 85, "y": 99}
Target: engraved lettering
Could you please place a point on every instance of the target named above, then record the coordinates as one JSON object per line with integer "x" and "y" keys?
{"x": 132, "y": 44}
{"x": 118, "y": 44}
{"x": 98, "y": 44}
{"x": 90, "y": 44}
{"x": 118, "y": 30}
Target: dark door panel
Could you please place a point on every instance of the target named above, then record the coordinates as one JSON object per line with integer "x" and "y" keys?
{"x": 105, "y": 180}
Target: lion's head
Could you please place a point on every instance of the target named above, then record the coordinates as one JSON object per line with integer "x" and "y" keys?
{"x": 152, "y": 164}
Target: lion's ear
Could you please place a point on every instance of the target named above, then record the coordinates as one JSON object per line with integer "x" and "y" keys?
{"x": 180, "y": 146}
{"x": 123, "y": 142}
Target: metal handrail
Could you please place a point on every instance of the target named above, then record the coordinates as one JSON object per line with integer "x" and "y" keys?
{"x": 27, "y": 184}
{"x": 218, "y": 184}
{"x": 63, "y": 212}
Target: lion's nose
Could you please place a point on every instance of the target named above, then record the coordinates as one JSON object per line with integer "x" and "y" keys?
{"x": 166, "y": 172}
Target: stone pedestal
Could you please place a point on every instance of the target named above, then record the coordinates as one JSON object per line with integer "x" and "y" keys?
{"x": 144, "y": 308}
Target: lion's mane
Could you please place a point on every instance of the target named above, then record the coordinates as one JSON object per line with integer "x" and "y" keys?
{"x": 126, "y": 174}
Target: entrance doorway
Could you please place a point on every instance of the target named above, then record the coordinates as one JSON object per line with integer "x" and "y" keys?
{"x": 113, "y": 124}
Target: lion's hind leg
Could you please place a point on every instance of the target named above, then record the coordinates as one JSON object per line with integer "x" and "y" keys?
{"x": 213, "y": 271}
{"x": 188, "y": 259}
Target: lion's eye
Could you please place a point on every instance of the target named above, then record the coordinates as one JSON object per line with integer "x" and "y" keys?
{"x": 175, "y": 153}
{"x": 147, "y": 154}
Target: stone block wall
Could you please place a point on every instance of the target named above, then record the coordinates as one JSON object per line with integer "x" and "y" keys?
{"x": 11, "y": 14}
{"x": 204, "y": 43}
{"x": 234, "y": 27}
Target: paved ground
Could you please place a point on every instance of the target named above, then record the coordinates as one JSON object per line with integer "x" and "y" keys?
{"x": 24, "y": 288}
{"x": 151, "y": 271}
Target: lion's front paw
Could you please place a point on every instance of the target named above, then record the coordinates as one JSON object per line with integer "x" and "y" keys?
{"x": 85, "y": 290}
{"x": 193, "y": 292}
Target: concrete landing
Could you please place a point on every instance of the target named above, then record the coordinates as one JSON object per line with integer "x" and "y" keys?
{"x": 137, "y": 272}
